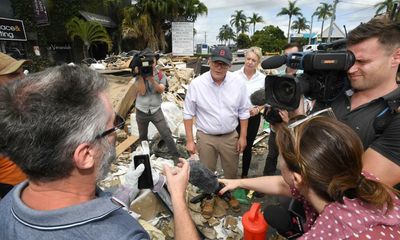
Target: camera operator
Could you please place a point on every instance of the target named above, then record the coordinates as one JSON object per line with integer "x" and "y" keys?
{"x": 151, "y": 84}
{"x": 366, "y": 107}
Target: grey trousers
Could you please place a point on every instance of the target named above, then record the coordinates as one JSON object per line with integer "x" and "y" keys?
{"x": 158, "y": 119}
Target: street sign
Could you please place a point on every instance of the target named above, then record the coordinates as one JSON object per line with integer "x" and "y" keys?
{"x": 12, "y": 30}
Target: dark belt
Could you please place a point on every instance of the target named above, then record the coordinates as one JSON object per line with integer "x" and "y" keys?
{"x": 220, "y": 135}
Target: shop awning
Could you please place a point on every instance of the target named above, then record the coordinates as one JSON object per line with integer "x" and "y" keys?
{"x": 103, "y": 20}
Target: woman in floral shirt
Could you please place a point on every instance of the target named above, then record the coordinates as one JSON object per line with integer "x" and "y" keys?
{"x": 320, "y": 161}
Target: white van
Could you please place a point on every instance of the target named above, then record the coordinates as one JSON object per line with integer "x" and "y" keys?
{"x": 310, "y": 48}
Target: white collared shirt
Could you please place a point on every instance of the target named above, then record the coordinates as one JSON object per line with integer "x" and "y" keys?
{"x": 217, "y": 108}
{"x": 256, "y": 82}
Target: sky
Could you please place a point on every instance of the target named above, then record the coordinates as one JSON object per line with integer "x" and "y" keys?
{"x": 348, "y": 12}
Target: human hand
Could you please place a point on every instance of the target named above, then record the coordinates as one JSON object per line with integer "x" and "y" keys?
{"x": 284, "y": 115}
{"x": 127, "y": 192}
{"x": 177, "y": 178}
{"x": 230, "y": 184}
{"x": 191, "y": 147}
{"x": 254, "y": 111}
{"x": 241, "y": 144}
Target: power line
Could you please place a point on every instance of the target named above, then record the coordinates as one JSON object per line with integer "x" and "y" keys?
{"x": 360, "y": 10}
{"x": 357, "y": 3}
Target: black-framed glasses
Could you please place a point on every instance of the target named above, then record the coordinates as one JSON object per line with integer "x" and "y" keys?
{"x": 119, "y": 123}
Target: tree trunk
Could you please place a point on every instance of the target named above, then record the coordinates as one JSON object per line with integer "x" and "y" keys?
{"x": 85, "y": 51}
{"x": 288, "y": 31}
{"x": 322, "y": 29}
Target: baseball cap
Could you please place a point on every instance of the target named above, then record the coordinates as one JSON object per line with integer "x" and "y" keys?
{"x": 9, "y": 65}
{"x": 221, "y": 53}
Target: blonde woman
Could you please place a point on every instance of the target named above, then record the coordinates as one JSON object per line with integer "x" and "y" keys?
{"x": 254, "y": 80}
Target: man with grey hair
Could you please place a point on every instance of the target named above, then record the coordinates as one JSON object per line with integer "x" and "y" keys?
{"x": 59, "y": 127}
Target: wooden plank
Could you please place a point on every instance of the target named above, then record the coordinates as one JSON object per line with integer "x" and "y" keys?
{"x": 260, "y": 138}
{"x": 126, "y": 144}
{"x": 122, "y": 92}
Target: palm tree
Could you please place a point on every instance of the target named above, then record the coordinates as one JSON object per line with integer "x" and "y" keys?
{"x": 115, "y": 9}
{"x": 226, "y": 34}
{"x": 89, "y": 32}
{"x": 254, "y": 20}
{"x": 323, "y": 12}
{"x": 386, "y": 5}
{"x": 149, "y": 20}
{"x": 300, "y": 24}
{"x": 244, "y": 27}
{"x": 191, "y": 9}
{"x": 293, "y": 10}
{"x": 238, "y": 20}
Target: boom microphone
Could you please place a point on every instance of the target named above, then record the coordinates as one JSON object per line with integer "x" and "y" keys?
{"x": 273, "y": 62}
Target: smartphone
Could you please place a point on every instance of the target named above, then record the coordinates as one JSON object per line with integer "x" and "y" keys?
{"x": 146, "y": 179}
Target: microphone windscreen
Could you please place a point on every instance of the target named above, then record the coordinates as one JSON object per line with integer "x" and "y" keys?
{"x": 273, "y": 62}
{"x": 258, "y": 97}
{"x": 201, "y": 177}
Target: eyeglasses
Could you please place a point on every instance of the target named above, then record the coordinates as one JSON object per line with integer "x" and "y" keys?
{"x": 119, "y": 123}
{"x": 327, "y": 112}
{"x": 220, "y": 64}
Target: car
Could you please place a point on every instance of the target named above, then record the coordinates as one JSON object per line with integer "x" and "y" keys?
{"x": 310, "y": 48}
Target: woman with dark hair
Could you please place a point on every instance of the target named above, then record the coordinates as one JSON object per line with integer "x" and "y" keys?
{"x": 320, "y": 161}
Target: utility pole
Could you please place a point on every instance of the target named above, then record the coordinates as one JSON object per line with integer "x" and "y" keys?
{"x": 309, "y": 37}
{"x": 332, "y": 20}
{"x": 205, "y": 37}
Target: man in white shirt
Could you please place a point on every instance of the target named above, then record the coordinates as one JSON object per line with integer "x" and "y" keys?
{"x": 217, "y": 99}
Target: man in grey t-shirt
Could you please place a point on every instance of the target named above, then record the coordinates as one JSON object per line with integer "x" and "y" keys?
{"x": 59, "y": 127}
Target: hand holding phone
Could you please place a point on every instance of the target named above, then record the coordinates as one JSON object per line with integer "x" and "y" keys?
{"x": 146, "y": 179}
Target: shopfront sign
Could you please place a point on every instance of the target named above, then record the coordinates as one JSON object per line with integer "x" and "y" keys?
{"x": 12, "y": 30}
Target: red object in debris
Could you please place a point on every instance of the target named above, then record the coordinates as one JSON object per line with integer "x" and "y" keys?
{"x": 254, "y": 225}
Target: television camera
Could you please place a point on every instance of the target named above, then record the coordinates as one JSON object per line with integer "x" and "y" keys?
{"x": 324, "y": 76}
{"x": 144, "y": 61}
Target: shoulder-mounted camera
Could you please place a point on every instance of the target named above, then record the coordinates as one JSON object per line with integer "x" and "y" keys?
{"x": 143, "y": 61}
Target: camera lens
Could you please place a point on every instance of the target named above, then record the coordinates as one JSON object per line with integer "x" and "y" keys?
{"x": 284, "y": 90}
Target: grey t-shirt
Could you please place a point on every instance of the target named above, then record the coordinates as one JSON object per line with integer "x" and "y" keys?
{"x": 99, "y": 219}
{"x": 151, "y": 101}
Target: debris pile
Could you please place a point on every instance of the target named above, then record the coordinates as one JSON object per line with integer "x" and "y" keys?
{"x": 223, "y": 221}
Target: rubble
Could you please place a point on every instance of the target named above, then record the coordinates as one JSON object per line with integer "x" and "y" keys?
{"x": 224, "y": 223}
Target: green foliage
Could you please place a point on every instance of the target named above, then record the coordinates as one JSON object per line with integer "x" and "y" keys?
{"x": 226, "y": 34}
{"x": 87, "y": 31}
{"x": 300, "y": 24}
{"x": 323, "y": 12}
{"x": 239, "y": 21}
{"x": 270, "y": 39}
{"x": 291, "y": 11}
{"x": 385, "y": 6}
{"x": 148, "y": 21}
{"x": 243, "y": 41}
{"x": 254, "y": 20}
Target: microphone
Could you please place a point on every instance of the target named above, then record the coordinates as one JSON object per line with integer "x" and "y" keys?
{"x": 273, "y": 62}
{"x": 201, "y": 177}
{"x": 258, "y": 97}
{"x": 287, "y": 223}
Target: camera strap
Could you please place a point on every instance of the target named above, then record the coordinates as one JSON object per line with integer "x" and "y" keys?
{"x": 392, "y": 108}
